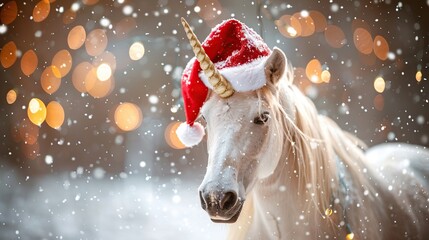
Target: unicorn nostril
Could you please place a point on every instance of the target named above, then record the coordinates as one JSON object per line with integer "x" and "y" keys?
{"x": 228, "y": 201}
{"x": 203, "y": 202}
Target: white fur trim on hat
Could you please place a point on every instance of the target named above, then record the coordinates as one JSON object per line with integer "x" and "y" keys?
{"x": 243, "y": 78}
{"x": 190, "y": 135}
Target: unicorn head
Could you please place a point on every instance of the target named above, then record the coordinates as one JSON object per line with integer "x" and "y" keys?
{"x": 243, "y": 145}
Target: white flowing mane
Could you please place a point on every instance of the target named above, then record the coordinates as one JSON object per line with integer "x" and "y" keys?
{"x": 323, "y": 157}
{"x": 312, "y": 142}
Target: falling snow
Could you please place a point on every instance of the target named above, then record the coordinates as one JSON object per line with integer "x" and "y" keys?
{"x": 106, "y": 163}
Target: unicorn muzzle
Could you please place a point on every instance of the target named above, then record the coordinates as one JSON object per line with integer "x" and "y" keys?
{"x": 223, "y": 204}
{"x": 222, "y": 207}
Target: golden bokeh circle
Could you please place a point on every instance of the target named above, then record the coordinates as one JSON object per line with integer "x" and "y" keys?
{"x": 9, "y": 12}
{"x": 334, "y": 36}
{"x": 79, "y": 76}
{"x": 55, "y": 115}
{"x": 379, "y": 84}
{"x": 128, "y": 116}
{"x": 104, "y": 72}
{"x": 314, "y": 71}
{"x": 381, "y": 47}
{"x": 319, "y": 20}
{"x": 306, "y": 23}
{"x": 171, "y": 136}
{"x": 76, "y": 37}
{"x": 63, "y": 62}
{"x": 91, "y": 79}
{"x": 419, "y": 76}
{"x": 41, "y": 11}
{"x": 29, "y": 62}
{"x": 106, "y": 57}
{"x": 136, "y": 51}
{"x": 289, "y": 26}
{"x": 363, "y": 40}
{"x": 96, "y": 42}
{"x": 36, "y": 111}
{"x": 69, "y": 16}
{"x": 11, "y": 96}
{"x": 325, "y": 76}
{"x": 8, "y": 54}
{"x": 101, "y": 89}
{"x": 49, "y": 80}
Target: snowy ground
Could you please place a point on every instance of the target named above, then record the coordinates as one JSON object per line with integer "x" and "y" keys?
{"x": 79, "y": 207}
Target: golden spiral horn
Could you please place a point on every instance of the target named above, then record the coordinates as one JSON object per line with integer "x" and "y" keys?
{"x": 220, "y": 85}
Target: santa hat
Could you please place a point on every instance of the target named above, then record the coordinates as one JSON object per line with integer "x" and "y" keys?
{"x": 239, "y": 54}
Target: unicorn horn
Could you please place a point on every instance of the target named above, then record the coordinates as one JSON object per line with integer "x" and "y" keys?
{"x": 220, "y": 85}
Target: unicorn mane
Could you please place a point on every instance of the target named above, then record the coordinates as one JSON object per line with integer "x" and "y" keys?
{"x": 313, "y": 145}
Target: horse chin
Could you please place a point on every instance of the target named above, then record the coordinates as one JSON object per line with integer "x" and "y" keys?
{"x": 233, "y": 219}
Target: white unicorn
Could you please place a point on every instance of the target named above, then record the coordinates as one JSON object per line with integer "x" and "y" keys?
{"x": 279, "y": 170}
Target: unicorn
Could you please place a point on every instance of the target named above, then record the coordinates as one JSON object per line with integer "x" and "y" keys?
{"x": 279, "y": 170}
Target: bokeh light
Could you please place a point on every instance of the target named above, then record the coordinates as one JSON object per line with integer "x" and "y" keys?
{"x": 69, "y": 16}
{"x": 418, "y": 76}
{"x": 314, "y": 71}
{"x": 76, "y": 37}
{"x": 136, "y": 51}
{"x": 306, "y": 23}
{"x": 8, "y": 54}
{"x": 319, "y": 20}
{"x": 335, "y": 36}
{"x": 289, "y": 26}
{"x": 79, "y": 76}
{"x": 107, "y": 58}
{"x": 41, "y": 10}
{"x": 90, "y": 79}
{"x": 124, "y": 27}
{"x": 96, "y": 42}
{"x": 379, "y": 102}
{"x": 363, "y": 40}
{"x": 104, "y": 72}
{"x": 381, "y": 47}
{"x": 63, "y": 62}
{"x": 29, "y": 62}
{"x": 325, "y": 76}
{"x": 49, "y": 80}
{"x": 9, "y": 12}
{"x": 54, "y": 115}
{"x": 379, "y": 84}
{"x": 100, "y": 88}
{"x": 36, "y": 111}
{"x": 171, "y": 136}
{"x": 128, "y": 116}
{"x": 11, "y": 96}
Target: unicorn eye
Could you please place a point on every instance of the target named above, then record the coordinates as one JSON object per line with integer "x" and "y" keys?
{"x": 261, "y": 119}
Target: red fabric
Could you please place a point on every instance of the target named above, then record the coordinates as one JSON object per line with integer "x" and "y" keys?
{"x": 230, "y": 44}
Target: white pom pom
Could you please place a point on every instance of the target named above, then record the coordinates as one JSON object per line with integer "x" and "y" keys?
{"x": 190, "y": 136}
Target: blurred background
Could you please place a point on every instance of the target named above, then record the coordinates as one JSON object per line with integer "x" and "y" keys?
{"x": 90, "y": 100}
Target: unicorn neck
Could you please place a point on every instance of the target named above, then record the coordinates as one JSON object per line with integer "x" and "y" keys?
{"x": 283, "y": 209}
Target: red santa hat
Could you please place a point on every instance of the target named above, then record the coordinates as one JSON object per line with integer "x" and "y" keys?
{"x": 239, "y": 54}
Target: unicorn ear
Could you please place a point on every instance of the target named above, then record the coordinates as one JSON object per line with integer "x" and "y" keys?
{"x": 275, "y": 65}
